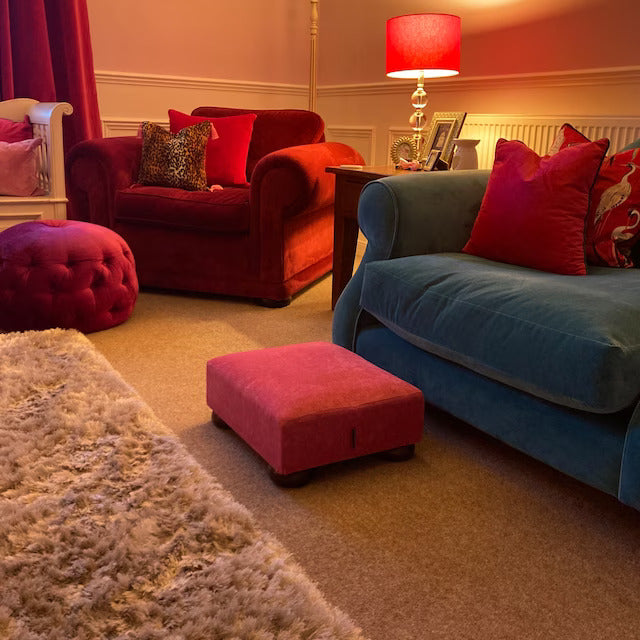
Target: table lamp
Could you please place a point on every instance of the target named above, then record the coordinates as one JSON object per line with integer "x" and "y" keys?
{"x": 422, "y": 45}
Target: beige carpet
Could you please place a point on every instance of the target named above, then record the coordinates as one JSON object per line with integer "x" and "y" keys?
{"x": 469, "y": 540}
{"x": 110, "y": 529}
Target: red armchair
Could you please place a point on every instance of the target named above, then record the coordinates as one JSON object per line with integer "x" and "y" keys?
{"x": 268, "y": 240}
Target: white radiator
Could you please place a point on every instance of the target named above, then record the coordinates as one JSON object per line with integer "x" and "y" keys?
{"x": 538, "y": 132}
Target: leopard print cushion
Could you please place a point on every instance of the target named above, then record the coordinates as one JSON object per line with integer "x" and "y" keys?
{"x": 174, "y": 160}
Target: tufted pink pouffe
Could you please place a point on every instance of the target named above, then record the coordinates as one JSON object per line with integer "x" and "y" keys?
{"x": 67, "y": 274}
{"x": 305, "y": 405}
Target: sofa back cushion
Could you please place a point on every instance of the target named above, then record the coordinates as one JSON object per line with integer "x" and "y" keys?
{"x": 273, "y": 129}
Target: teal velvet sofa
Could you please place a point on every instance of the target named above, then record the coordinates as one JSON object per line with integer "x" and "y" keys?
{"x": 547, "y": 363}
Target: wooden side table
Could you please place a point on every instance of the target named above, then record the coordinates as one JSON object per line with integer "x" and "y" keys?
{"x": 349, "y": 184}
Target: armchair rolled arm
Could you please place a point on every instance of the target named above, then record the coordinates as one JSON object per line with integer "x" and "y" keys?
{"x": 405, "y": 215}
{"x": 293, "y": 180}
{"x": 95, "y": 171}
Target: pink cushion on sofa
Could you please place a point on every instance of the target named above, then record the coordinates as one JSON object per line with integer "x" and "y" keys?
{"x": 226, "y": 210}
{"x": 534, "y": 209}
{"x": 18, "y": 167}
{"x": 64, "y": 273}
{"x": 305, "y": 405}
{"x": 11, "y": 131}
{"x": 226, "y": 155}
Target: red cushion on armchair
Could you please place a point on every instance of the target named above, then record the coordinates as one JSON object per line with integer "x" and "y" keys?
{"x": 226, "y": 155}
{"x": 273, "y": 129}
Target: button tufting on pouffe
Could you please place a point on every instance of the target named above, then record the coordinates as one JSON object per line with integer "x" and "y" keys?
{"x": 65, "y": 273}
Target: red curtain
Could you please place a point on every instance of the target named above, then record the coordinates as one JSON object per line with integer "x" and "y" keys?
{"x": 45, "y": 54}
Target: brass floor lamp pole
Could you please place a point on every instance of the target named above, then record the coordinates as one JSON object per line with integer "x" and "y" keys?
{"x": 313, "y": 55}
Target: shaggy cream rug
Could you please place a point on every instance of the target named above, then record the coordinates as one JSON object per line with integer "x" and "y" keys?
{"x": 108, "y": 527}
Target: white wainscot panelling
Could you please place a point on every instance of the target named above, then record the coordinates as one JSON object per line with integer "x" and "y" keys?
{"x": 126, "y": 99}
{"x": 36, "y": 208}
{"x": 538, "y": 132}
{"x": 126, "y": 126}
{"x": 361, "y": 138}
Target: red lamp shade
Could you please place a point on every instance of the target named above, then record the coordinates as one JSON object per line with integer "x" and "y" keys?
{"x": 427, "y": 43}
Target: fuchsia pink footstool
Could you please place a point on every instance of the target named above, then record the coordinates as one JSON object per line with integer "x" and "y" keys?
{"x": 306, "y": 405}
{"x": 65, "y": 273}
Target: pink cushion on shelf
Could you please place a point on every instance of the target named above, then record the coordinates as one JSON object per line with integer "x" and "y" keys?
{"x": 613, "y": 221}
{"x": 18, "y": 167}
{"x": 65, "y": 273}
{"x": 533, "y": 211}
{"x": 11, "y": 131}
{"x": 226, "y": 156}
{"x": 305, "y": 405}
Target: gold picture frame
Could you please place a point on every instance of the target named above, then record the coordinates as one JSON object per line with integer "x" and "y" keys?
{"x": 405, "y": 148}
{"x": 444, "y": 129}
{"x": 431, "y": 159}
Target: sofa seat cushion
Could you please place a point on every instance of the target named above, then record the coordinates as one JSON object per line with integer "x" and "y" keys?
{"x": 572, "y": 341}
{"x": 221, "y": 211}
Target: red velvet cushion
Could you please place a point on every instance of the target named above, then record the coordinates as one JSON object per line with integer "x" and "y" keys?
{"x": 273, "y": 129}
{"x": 223, "y": 211}
{"x": 226, "y": 156}
{"x": 534, "y": 208}
{"x": 613, "y": 221}
{"x": 11, "y": 131}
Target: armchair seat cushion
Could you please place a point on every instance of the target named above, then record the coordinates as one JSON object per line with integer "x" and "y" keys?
{"x": 572, "y": 341}
{"x": 222, "y": 211}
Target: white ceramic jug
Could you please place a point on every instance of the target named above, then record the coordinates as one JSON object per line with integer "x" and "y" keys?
{"x": 465, "y": 155}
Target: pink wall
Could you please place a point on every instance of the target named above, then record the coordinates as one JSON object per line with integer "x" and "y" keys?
{"x": 583, "y": 34}
{"x": 600, "y": 36}
{"x": 268, "y": 40}
{"x": 257, "y": 40}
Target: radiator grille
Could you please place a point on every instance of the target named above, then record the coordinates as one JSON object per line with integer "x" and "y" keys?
{"x": 538, "y": 132}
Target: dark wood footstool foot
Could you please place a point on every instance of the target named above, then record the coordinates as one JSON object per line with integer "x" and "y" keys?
{"x": 219, "y": 422}
{"x": 274, "y": 304}
{"x": 399, "y": 454}
{"x": 290, "y": 480}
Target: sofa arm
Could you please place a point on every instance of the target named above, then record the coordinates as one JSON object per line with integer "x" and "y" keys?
{"x": 420, "y": 213}
{"x": 95, "y": 171}
{"x": 405, "y": 215}
{"x": 293, "y": 180}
